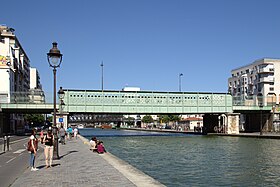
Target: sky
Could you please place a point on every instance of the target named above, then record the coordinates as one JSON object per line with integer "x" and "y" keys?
{"x": 145, "y": 43}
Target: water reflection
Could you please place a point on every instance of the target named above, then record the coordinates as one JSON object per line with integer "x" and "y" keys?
{"x": 201, "y": 160}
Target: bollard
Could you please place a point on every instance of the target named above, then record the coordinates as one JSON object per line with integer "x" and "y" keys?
{"x": 5, "y": 138}
{"x": 8, "y": 143}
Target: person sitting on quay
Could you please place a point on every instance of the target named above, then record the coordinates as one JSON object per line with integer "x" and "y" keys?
{"x": 100, "y": 148}
{"x": 93, "y": 144}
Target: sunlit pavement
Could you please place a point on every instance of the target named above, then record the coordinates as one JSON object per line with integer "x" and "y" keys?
{"x": 78, "y": 166}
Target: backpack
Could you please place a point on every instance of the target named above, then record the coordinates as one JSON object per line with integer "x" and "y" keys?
{"x": 29, "y": 145}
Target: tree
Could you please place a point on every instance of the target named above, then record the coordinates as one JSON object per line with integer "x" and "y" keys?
{"x": 147, "y": 119}
{"x": 164, "y": 118}
{"x": 168, "y": 118}
{"x": 129, "y": 120}
{"x": 34, "y": 119}
{"x": 175, "y": 118}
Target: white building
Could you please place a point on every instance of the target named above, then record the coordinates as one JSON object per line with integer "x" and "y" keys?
{"x": 36, "y": 93}
{"x": 258, "y": 82}
{"x": 14, "y": 68}
{"x": 14, "y": 78}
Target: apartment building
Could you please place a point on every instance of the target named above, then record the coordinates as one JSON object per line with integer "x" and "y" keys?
{"x": 256, "y": 83}
{"x": 14, "y": 68}
{"x": 15, "y": 79}
{"x": 36, "y": 92}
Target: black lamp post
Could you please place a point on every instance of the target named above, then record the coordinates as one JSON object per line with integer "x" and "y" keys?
{"x": 61, "y": 95}
{"x": 54, "y": 59}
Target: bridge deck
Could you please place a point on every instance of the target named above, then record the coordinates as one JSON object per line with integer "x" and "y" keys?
{"x": 146, "y": 102}
{"x": 141, "y": 102}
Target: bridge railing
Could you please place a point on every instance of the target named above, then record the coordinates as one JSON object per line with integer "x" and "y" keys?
{"x": 255, "y": 101}
{"x": 32, "y": 97}
{"x": 118, "y": 100}
{"x": 146, "y": 102}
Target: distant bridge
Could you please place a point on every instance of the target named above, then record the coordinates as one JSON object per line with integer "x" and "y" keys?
{"x": 136, "y": 102}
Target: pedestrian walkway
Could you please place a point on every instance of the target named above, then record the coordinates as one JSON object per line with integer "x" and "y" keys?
{"x": 78, "y": 166}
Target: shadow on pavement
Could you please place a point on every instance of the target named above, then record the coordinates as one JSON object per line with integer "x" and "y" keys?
{"x": 44, "y": 166}
{"x": 69, "y": 152}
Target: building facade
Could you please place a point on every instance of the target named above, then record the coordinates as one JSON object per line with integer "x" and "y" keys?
{"x": 257, "y": 83}
{"x": 14, "y": 68}
{"x": 15, "y": 79}
{"x": 36, "y": 92}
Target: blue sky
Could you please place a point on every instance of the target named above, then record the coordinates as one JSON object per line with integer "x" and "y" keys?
{"x": 145, "y": 43}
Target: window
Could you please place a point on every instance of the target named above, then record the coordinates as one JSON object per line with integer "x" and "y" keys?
{"x": 2, "y": 40}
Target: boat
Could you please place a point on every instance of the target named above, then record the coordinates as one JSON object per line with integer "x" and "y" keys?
{"x": 80, "y": 126}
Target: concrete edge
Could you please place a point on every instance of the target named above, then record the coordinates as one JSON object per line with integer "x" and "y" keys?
{"x": 133, "y": 174}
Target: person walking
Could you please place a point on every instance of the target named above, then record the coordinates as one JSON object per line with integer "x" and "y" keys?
{"x": 62, "y": 134}
{"x": 69, "y": 133}
{"x": 33, "y": 149}
{"x": 75, "y": 132}
{"x": 42, "y": 136}
{"x": 49, "y": 142}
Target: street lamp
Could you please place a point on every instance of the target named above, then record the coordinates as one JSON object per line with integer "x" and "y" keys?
{"x": 180, "y": 75}
{"x": 102, "y": 81}
{"x": 261, "y": 107}
{"x": 61, "y": 95}
{"x": 54, "y": 59}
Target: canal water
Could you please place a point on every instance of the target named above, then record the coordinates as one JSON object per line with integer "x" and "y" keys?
{"x": 194, "y": 160}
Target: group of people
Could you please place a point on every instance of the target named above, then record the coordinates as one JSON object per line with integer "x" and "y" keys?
{"x": 97, "y": 146}
{"x": 48, "y": 140}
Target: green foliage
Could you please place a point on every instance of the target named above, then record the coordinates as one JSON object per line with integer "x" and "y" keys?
{"x": 168, "y": 118}
{"x": 35, "y": 119}
{"x": 129, "y": 121}
{"x": 147, "y": 119}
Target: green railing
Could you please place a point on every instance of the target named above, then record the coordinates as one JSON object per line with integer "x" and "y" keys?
{"x": 96, "y": 101}
{"x": 146, "y": 102}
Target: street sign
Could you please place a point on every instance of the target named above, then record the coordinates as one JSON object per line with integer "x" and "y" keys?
{"x": 60, "y": 120}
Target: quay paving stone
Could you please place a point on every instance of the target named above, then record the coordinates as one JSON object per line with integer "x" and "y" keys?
{"x": 78, "y": 166}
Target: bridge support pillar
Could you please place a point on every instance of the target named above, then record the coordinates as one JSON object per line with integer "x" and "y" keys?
{"x": 1, "y": 124}
{"x": 232, "y": 123}
{"x": 62, "y": 119}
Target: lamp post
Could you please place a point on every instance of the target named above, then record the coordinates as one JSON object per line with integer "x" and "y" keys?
{"x": 180, "y": 75}
{"x": 61, "y": 95}
{"x": 102, "y": 65}
{"x": 54, "y": 59}
{"x": 261, "y": 107}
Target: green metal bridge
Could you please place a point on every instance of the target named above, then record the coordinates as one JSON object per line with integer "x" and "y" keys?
{"x": 135, "y": 102}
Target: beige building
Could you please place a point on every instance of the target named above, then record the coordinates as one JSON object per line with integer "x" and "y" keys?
{"x": 256, "y": 83}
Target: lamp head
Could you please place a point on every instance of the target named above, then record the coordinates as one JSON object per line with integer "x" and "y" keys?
{"x": 54, "y": 56}
{"x": 61, "y": 93}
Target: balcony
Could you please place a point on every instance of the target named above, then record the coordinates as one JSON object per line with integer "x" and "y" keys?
{"x": 266, "y": 70}
{"x": 267, "y": 79}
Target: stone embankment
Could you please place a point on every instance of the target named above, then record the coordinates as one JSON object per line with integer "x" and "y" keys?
{"x": 78, "y": 166}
